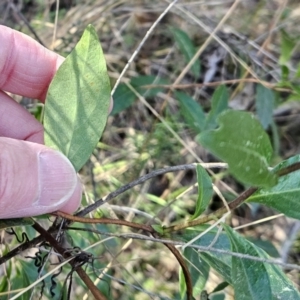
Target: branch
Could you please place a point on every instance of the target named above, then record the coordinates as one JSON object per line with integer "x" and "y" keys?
{"x": 132, "y": 184}
{"x": 232, "y": 205}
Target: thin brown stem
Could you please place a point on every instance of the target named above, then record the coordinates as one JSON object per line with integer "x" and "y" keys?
{"x": 232, "y": 205}
{"x": 104, "y": 221}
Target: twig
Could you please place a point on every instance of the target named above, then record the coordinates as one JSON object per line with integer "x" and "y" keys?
{"x": 181, "y": 244}
{"x": 53, "y": 229}
{"x": 141, "y": 180}
{"x": 232, "y": 205}
{"x": 17, "y": 11}
{"x": 147, "y": 228}
{"x": 141, "y": 45}
{"x": 104, "y": 221}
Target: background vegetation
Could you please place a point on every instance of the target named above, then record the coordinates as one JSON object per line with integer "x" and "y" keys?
{"x": 248, "y": 56}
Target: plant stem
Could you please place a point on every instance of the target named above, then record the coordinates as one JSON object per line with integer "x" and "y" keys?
{"x": 232, "y": 205}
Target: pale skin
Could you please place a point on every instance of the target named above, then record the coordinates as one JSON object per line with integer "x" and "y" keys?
{"x": 34, "y": 179}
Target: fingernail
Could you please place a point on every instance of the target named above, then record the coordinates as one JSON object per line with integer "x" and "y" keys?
{"x": 57, "y": 179}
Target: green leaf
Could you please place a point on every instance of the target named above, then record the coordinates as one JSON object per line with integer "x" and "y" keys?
{"x": 284, "y": 196}
{"x": 77, "y": 102}
{"x": 220, "y": 262}
{"x": 287, "y": 46}
{"x": 199, "y": 271}
{"x": 192, "y": 111}
{"x": 205, "y": 191}
{"x": 250, "y": 278}
{"x": 124, "y": 96}
{"x": 219, "y": 296}
{"x": 158, "y": 228}
{"x": 265, "y": 100}
{"x": 187, "y": 48}
{"x": 257, "y": 280}
{"x": 266, "y": 245}
{"x": 285, "y": 72}
{"x": 220, "y": 287}
{"x": 140, "y": 82}
{"x": 218, "y": 105}
{"x": 6, "y": 223}
{"x": 243, "y": 144}
{"x": 282, "y": 287}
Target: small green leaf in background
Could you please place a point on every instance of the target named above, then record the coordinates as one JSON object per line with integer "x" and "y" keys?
{"x": 287, "y": 46}
{"x": 264, "y": 102}
{"x": 284, "y": 197}
{"x": 243, "y": 144}
{"x": 191, "y": 111}
{"x": 158, "y": 228}
{"x": 250, "y": 278}
{"x": 219, "y": 103}
{"x": 205, "y": 191}
{"x": 77, "y": 102}
{"x": 186, "y": 46}
{"x": 199, "y": 271}
{"x": 124, "y": 96}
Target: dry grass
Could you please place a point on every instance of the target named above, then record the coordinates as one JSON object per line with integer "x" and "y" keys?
{"x": 137, "y": 140}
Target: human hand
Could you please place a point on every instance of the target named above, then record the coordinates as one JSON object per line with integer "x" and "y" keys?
{"x": 34, "y": 179}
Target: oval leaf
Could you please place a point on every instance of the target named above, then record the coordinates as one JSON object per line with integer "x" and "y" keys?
{"x": 284, "y": 196}
{"x": 77, "y": 102}
{"x": 205, "y": 191}
{"x": 243, "y": 144}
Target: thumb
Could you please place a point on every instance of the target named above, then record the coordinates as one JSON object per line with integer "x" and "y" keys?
{"x": 35, "y": 180}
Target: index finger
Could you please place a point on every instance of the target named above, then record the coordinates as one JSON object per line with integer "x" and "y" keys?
{"x": 26, "y": 67}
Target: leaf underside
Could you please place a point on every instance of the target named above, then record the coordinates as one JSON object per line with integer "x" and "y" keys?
{"x": 77, "y": 102}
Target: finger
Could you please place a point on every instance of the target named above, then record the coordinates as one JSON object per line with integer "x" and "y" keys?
{"x": 16, "y": 122}
{"x": 26, "y": 67}
{"x": 35, "y": 180}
